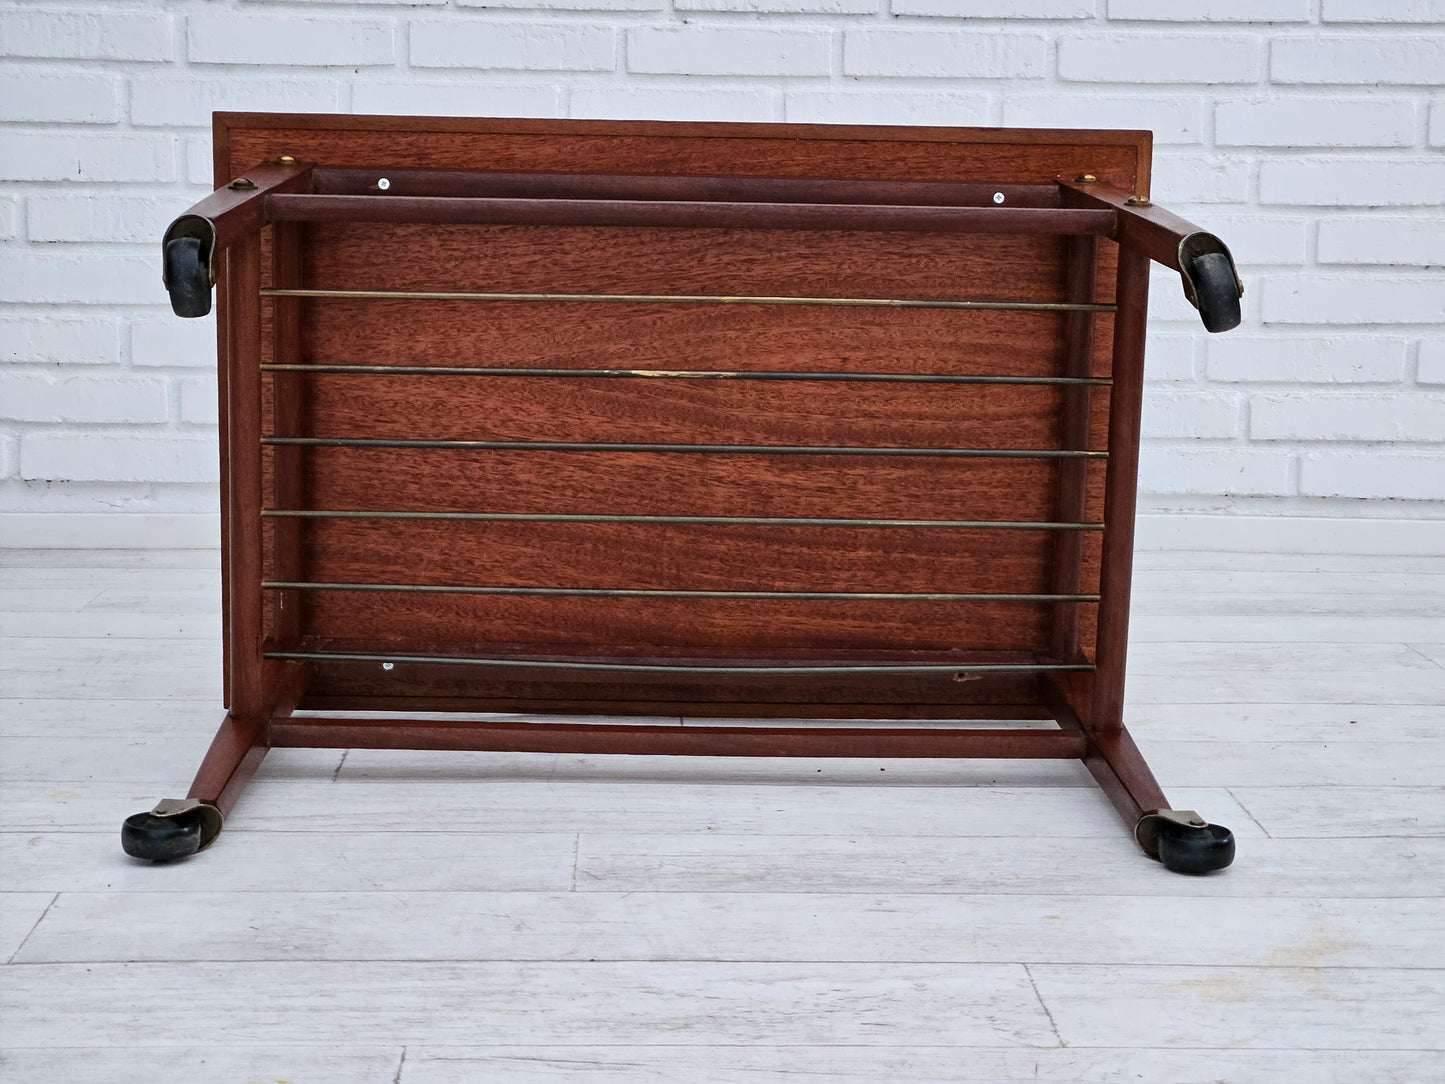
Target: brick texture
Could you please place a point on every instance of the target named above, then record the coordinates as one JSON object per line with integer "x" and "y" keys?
{"x": 1341, "y": 122}
{"x": 1337, "y": 417}
{"x": 1374, "y": 475}
{"x": 59, "y": 99}
{"x": 1308, "y": 134}
{"x": 513, "y": 46}
{"x": 36, "y": 397}
{"x": 1354, "y": 182}
{"x": 100, "y": 34}
{"x": 274, "y": 39}
{"x": 957, "y": 54}
{"x": 1210, "y": 11}
{"x": 1432, "y": 362}
{"x": 1359, "y": 60}
{"x": 1307, "y": 359}
{"x": 188, "y": 103}
{"x": 1384, "y": 11}
{"x": 1161, "y": 58}
{"x": 728, "y": 51}
{"x": 1383, "y": 239}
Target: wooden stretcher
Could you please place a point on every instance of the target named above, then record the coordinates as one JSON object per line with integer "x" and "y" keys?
{"x": 791, "y": 422}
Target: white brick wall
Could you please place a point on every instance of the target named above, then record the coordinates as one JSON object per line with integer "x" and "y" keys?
{"x": 1310, "y": 134}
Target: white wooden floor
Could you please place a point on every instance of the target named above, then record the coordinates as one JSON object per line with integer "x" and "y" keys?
{"x": 430, "y": 919}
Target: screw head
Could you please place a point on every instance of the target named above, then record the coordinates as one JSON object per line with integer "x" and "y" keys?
{"x": 383, "y": 184}
{"x": 286, "y": 160}
{"x": 1086, "y": 178}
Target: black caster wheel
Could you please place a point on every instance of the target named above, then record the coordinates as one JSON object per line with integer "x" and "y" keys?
{"x": 175, "y": 828}
{"x": 1216, "y": 291}
{"x": 187, "y": 277}
{"x": 1183, "y": 842}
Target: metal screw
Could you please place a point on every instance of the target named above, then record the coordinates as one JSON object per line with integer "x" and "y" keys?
{"x": 1139, "y": 201}
{"x": 387, "y": 665}
{"x": 998, "y": 197}
{"x": 286, "y": 160}
{"x": 383, "y": 184}
{"x": 1086, "y": 178}
{"x": 242, "y": 183}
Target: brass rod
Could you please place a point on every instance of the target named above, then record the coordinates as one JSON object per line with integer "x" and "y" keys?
{"x": 714, "y": 521}
{"x": 702, "y": 449}
{"x": 682, "y": 668}
{"x": 688, "y": 374}
{"x": 640, "y": 592}
{"x": 695, "y": 299}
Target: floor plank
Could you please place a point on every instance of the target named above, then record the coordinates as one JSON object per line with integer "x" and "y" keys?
{"x": 561, "y": 1004}
{"x": 1282, "y": 628}
{"x": 1333, "y": 812}
{"x": 1237, "y": 561}
{"x": 1307, "y": 660}
{"x": 1286, "y": 582}
{"x": 1265, "y": 687}
{"x": 296, "y": 862}
{"x": 1434, "y": 652}
{"x": 1296, "y": 763}
{"x": 298, "y": 801}
{"x": 1359, "y": 722}
{"x": 123, "y": 626}
{"x": 1281, "y": 868}
{"x": 72, "y": 717}
{"x": 19, "y": 912}
{"x": 261, "y": 1063}
{"x": 1203, "y": 1007}
{"x": 118, "y": 927}
{"x": 433, "y": 918}
{"x": 921, "y": 1064}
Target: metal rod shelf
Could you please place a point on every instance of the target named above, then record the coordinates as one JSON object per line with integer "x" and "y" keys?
{"x": 699, "y": 449}
{"x": 692, "y": 374}
{"x": 683, "y": 668}
{"x": 648, "y": 592}
{"x": 692, "y": 299}
{"x": 712, "y": 521}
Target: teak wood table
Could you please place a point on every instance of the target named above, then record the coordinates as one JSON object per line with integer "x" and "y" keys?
{"x": 792, "y": 422}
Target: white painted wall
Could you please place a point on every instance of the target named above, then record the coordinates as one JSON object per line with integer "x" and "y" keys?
{"x": 1310, "y": 134}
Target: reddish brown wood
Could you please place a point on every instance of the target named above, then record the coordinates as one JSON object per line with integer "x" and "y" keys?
{"x": 616, "y": 260}
{"x": 957, "y": 155}
{"x": 243, "y": 462}
{"x": 489, "y": 183}
{"x": 444, "y": 210}
{"x": 236, "y": 213}
{"x": 235, "y": 753}
{"x": 682, "y": 337}
{"x": 1145, "y": 227}
{"x": 288, "y": 418}
{"x": 676, "y": 740}
{"x": 1074, "y": 432}
{"x": 810, "y": 486}
{"x": 1112, "y": 759}
{"x": 685, "y": 411}
{"x": 1106, "y": 714}
{"x": 759, "y": 210}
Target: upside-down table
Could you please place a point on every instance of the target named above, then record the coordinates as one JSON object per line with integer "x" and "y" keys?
{"x": 806, "y": 423}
